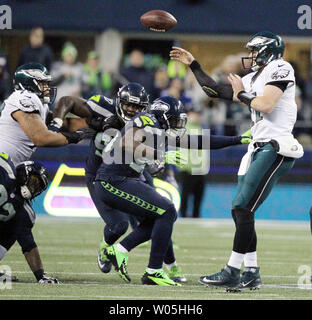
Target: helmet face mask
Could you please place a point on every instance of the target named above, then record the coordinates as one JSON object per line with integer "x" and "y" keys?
{"x": 131, "y": 100}
{"x": 265, "y": 47}
{"x": 31, "y": 179}
{"x": 34, "y": 77}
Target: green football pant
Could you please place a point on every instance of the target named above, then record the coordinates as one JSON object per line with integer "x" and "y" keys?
{"x": 265, "y": 169}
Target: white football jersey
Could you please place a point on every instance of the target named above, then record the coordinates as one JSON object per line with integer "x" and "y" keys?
{"x": 281, "y": 120}
{"x": 13, "y": 140}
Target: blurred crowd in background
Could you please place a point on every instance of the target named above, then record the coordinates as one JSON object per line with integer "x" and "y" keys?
{"x": 159, "y": 77}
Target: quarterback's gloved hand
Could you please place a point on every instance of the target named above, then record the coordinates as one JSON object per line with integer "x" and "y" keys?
{"x": 246, "y": 137}
{"x": 46, "y": 279}
{"x": 78, "y": 135}
{"x": 112, "y": 122}
{"x": 177, "y": 158}
{"x": 95, "y": 123}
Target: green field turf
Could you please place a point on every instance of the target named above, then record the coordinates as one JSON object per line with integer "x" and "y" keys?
{"x": 69, "y": 247}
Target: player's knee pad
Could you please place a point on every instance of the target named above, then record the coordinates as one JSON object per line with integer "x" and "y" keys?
{"x": 170, "y": 214}
{"x": 121, "y": 227}
{"x": 117, "y": 229}
{"x": 28, "y": 247}
{"x": 242, "y": 216}
{"x": 3, "y": 252}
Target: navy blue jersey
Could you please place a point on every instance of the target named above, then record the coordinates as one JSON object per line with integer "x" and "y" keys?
{"x": 99, "y": 106}
{"x": 9, "y": 200}
{"x": 121, "y": 166}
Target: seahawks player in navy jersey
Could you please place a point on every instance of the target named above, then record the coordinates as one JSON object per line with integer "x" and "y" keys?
{"x": 17, "y": 187}
{"x": 98, "y": 111}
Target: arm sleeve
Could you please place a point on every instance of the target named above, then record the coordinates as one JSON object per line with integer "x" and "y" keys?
{"x": 202, "y": 142}
{"x": 280, "y": 84}
{"x": 210, "y": 87}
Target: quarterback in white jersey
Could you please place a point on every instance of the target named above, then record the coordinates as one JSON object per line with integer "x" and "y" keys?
{"x": 269, "y": 92}
{"x": 281, "y": 120}
{"x": 23, "y": 116}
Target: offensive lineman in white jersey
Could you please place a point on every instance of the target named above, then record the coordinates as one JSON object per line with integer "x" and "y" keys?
{"x": 269, "y": 92}
{"x": 24, "y": 114}
{"x": 23, "y": 118}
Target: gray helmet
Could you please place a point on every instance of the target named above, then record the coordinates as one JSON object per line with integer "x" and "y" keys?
{"x": 269, "y": 47}
{"x": 29, "y": 75}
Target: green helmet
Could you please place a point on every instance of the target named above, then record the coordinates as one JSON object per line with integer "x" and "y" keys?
{"x": 29, "y": 75}
{"x": 269, "y": 47}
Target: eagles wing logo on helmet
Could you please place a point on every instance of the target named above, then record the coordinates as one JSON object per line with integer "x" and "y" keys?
{"x": 259, "y": 40}
{"x": 280, "y": 74}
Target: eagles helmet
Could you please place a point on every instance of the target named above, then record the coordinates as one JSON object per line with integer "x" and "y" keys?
{"x": 267, "y": 47}
{"x": 170, "y": 114}
{"x": 131, "y": 100}
{"x": 31, "y": 179}
{"x": 35, "y": 77}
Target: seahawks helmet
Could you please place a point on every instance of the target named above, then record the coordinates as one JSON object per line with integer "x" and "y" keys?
{"x": 170, "y": 114}
{"x": 131, "y": 99}
{"x": 31, "y": 179}
{"x": 29, "y": 76}
{"x": 268, "y": 47}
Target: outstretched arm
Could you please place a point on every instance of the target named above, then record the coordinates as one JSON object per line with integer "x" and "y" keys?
{"x": 210, "y": 87}
{"x": 205, "y": 142}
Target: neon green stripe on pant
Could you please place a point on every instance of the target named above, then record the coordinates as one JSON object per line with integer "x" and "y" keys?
{"x": 133, "y": 199}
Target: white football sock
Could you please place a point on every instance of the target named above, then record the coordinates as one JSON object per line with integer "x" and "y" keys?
{"x": 151, "y": 271}
{"x": 250, "y": 259}
{"x": 169, "y": 266}
{"x": 236, "y": 260}
{"x": 120, "y": 248}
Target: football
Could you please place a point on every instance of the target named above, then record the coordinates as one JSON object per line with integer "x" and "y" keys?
{"x": 158, "y": 20}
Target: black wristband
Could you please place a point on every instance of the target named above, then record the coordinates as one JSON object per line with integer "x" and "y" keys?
{"x": 245, "y": 97}
{"x": 39, "y": 274}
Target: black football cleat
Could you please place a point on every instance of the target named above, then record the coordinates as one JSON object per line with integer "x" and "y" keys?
{"x": 228, "y": 277}
{"x": 250, "y": 279}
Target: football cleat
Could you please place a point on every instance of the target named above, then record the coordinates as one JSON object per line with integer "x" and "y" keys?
{"x": 175, "y": 274}
{"x": 158, "y": 278}
{"x": 250, "y": 279}
{"x": 119, "y": 260}
{"x": 103, "y": 262}
{"x": 228, "y": 277}
{"x": 4, "y": 277}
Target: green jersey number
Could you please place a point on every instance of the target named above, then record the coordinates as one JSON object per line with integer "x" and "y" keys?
{"x": 7, "y": 210}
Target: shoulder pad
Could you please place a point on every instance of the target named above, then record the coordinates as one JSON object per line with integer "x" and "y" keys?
{"x": 145, "y": 119}
{"x": 100, "y": 105}
{"x": 28, "y": 101}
